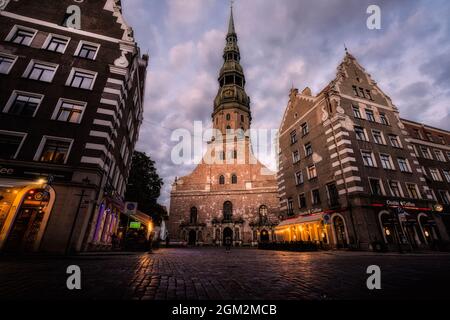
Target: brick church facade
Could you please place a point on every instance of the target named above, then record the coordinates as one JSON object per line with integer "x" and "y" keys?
{"x": 230, "y": 194}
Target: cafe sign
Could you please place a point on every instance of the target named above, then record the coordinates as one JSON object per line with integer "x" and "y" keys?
{"x": 311, "y": 211}
{"x": 396, "y": 203}
{"x": 14, "y": 171}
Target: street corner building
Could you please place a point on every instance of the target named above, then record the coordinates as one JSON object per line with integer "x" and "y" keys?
{"x": 230, "y": 194}
{"x": 71, "y": 89}
{"x": 353, "y": 174}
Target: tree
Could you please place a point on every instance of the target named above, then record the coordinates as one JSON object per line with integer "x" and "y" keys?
{"x": 144, "y": 185}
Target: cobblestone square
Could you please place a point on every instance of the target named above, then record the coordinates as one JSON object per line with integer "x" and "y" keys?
{"x": 201, "y": 274}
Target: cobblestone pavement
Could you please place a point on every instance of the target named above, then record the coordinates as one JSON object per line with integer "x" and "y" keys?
{"x": 215, "y": 274}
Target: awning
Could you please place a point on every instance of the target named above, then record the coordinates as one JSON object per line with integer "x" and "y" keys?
{"x": 301, "y": 219}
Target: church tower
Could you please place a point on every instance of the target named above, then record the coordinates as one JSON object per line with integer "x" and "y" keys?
{"x": 234, "y": 195}
{"x": 232, "y": 104}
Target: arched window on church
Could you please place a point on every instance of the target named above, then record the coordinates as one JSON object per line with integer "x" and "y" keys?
{"x": 194, "y": 215}
{"x": 221, "y": 179}
{"x": 263, "y": 211}
{"x": 234, "y": 179}
{"x": 227, "y": 211}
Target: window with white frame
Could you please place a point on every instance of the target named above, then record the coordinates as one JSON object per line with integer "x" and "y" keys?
{"x": 429, "y": 137}
{"x": 293, "y": 137}
{"x": 299, "y": 178}
{"x": 404, "y": 165}
{"x": 305, "y": 129}
{"x": 56, "y": 43}
{"x": 21, "y": 35}
{"x": 360, "y": 134}
{"x": 416, "y": 151}
{"x": 435, "y": 175}
{"x": 10, "y": 144}
{"x": 41, "y": 71}
{"x": 378, "y": 137}
{"x": 312, "y": 172}
{"x": 357, "y": 112}
{"x": 308, "y": 150}
{"x": 383, "y": 119}
{"x": 7, "y": 62}
{"x": 23, "y": 104}
{"x": 444, "y": 196}
{"x": 439, "y": 155}
{"x": 447, "y": 175}
{"x": 54, "y": 150}
{"x": 386, "y": 161}
{"x": 370, "y": 116}
{"x": 368, "y": 159}
{"x": 376, "y": 186}
{"x": 396, "y": 190}
{"x": 395, "y": 141}
{"x": 413, "y": 190}
{"x": 87, "y": 50}
{"x": 426, "y": 152}
{"x": 302, "y": 201}
{"x": 82, "y": 79}
{"x": 296, "y": 156}
{"x": 69, "y": 111}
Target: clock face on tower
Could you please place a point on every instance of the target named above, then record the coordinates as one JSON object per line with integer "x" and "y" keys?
{"x": 228, "y": 93}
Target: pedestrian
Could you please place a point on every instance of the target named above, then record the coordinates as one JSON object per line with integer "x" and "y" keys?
{"x": 228, "y": 244}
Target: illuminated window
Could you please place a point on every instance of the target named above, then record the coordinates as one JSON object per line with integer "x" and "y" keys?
{"x": 54, "y": 150}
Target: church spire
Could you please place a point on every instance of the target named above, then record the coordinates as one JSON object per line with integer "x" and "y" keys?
{"x": 231, "y": 29}
{"x": 232, "y": 93}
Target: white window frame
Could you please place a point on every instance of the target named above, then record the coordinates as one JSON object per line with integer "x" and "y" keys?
{"x": 39, "y": 150}
{"x": 447, "y": 175}
{"x": 391, "y": 163}
{"x": 64, "y": 100}
{"x": 381, "y": 134}
{"x": 9, "y": 56}
{"x": 407, "y": 164}
{"x": 415, "y": 186}
{"x": 441, "y": 155}
{"x": 375, "y": 165}
{"x": 383, "y": 191}
{"x": 17, "y": 134}
{"x": 435, "y": 175}
{"x": 18, "y": 27}
{"x": 398, "y": 140}
{"x": 294, "y": 161}
{"x": 400, "y": 189}
{"x": 72, "y": 74}
{"x": 366, "y": 111}
{"x": 14, "y": 95}
{"x": 297, "y": 182}
{"x": 309, "y": 175}
{"x": 428, "y": 152}
{"x": 80, "y": 45}
{"x": 447, "y": 196}
{"x": 305, "y": 150}
{"x": 364, "y": 132}
{"x": 31, "y": 65}
{"x": 50, "y": 37}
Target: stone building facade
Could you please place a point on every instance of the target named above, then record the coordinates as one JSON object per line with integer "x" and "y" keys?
{"x": 230, "y": 193}
{"x": 348, "y": 174}
{"x": 71, "y": 87}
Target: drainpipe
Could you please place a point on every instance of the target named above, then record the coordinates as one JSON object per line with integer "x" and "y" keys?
{"x": 341, "y": 166}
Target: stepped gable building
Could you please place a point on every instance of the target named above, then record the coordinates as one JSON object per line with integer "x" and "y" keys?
{"x": 71, "y": 87}
{"x": 349, "y": 176}
{"x": 230, "y": 193}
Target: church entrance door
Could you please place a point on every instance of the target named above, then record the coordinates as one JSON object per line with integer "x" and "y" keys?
{"x": 227, "y": 234}
{"x": 192, "y": 238}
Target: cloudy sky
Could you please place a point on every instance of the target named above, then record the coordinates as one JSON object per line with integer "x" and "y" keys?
{"x": 284, "y": 43}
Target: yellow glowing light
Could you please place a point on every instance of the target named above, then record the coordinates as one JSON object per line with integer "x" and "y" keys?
{"x": 427, "y": 234}
{"x": 388, "y": 232}
{"x": 41, "y": 181}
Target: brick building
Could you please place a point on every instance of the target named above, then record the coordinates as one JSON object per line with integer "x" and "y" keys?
{"x": 230, "y": 194}
{"x": 349, "y": 176}
{"x": 71, "y": 87}
{"x": 432, "y": 148}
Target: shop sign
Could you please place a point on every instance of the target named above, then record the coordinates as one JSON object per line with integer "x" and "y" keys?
{"x": 13, "y": 171}
{"x": 400, "y": 203}
{"x": 131, "y": 208}
{"x": 311, "y": 211}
